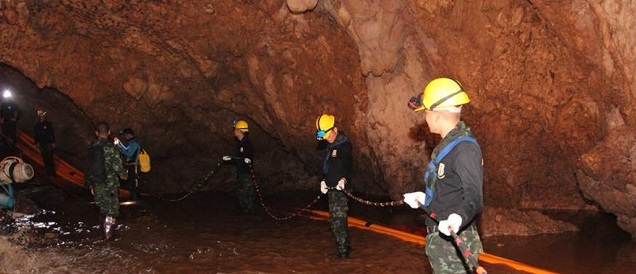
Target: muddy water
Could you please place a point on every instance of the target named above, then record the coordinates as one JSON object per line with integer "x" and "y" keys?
{"x": 600, "y": 246}
{"x": 205, "y": 234}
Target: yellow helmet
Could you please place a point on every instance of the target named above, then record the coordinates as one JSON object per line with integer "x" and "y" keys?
{"x": 41, "y": 113}
{"x": 240, "y": 125}
{"x": 324, "y": 124}
{"x": 441, "y": 92}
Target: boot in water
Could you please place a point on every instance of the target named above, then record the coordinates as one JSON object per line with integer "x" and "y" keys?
{"x": 343, "y": 251}
{"x": 109, "y": 227}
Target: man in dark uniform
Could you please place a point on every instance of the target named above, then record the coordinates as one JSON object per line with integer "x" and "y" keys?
{"x": 45, "y": 140}
{"x": 453, "y": 181}
{"x": 9, "y": 115}
{"x": 106, "y": 193}
{"x": 336, "y": 167}
{"x": 243, "y": 161}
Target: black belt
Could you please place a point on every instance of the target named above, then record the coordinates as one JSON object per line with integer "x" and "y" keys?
{"x": 433, "y": 229}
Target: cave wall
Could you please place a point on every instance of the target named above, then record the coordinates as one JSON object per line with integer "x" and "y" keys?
{"x": 549, "y": 80}
{"x": 178, "y": 75}
{"x": 551, "y": 85}
{"x": 525, "y": 85}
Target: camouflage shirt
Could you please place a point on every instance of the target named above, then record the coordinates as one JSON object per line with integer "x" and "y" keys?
{"x": 114, "y": 164}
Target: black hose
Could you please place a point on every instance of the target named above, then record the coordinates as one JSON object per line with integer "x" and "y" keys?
{"x": 463, "y": 248}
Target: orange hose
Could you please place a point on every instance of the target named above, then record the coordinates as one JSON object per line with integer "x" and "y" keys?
{"x": 418, "y": 239}
{"x": 63, "y": 169}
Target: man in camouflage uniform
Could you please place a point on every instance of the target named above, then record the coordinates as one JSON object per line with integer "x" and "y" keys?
{"x": 106, "y": 193}
{"x": 336, "y": 167}
{"x": 454, "y": 179}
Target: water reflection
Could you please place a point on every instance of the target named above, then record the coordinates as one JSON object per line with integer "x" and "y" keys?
{"x": 205, "y": 234}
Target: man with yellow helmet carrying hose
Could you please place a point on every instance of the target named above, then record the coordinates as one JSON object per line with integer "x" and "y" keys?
{"x": 336, "y": 167}
{"x": 243, "y": 161}
{"x": 453, "y": 180}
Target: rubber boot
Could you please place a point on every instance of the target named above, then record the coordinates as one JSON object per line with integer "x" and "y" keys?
{"x": 343, "y": 251}
{"x": 109, "y": 227}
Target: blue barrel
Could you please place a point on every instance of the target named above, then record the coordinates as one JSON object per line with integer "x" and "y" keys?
{"x": 6, "y": 201}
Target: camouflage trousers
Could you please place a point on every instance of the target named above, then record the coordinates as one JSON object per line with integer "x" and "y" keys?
{"x": 338, "y": 209}
{"x": 107, "y": 198}
{"x": 246, "y": 194}
{"x": 445, "y": 257}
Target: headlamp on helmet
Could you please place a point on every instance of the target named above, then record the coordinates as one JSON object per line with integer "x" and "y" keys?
{"x": 415, "y": 103}
{"x": 323, "y": 134}
{"x": 6, "y": 94}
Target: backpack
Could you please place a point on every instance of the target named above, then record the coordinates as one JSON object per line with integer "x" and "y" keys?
{"x": 95, "y": 166}
{"x": 144, "y": 161}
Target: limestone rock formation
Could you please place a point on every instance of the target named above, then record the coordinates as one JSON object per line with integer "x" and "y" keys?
{"x": 551, "y": 86}
{"x": 520, "y": 223}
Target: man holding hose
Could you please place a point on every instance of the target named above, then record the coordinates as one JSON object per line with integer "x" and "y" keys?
{"x": 453, "y": 180}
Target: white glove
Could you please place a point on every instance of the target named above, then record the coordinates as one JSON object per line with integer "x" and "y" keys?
{"x": 247, "y": 160}
{"x": 415, "y": 199}
{"x": 323, "y": 187}
{"x": 227, "y": 158}
{"x": 341, "y": 184}
{"x": 454, "y": 222}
